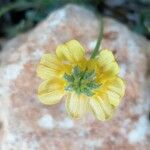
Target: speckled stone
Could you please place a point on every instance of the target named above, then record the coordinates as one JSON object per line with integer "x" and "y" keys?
{"x": 26, "y": 124}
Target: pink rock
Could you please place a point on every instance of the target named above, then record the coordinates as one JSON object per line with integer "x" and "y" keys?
{"x": 26, "y": 124}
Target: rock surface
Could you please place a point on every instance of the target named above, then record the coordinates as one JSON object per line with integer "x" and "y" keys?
{"x": 26, "y": 124}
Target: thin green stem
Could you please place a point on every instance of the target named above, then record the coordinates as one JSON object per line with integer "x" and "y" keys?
{"x": 100, "y": 36}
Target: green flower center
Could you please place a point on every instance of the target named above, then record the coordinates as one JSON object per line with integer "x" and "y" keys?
{"x": 81, "y": 81}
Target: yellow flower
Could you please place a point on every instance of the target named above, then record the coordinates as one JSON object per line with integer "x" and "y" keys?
{"x": 87, "y": 84}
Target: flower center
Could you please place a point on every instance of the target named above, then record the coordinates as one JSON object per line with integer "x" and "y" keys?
{"x": 81, "y": 81}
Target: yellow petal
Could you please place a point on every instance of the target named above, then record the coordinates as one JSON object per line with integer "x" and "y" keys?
{"x": 111, "y": 68}
{"x": 114, "y": 89}
{"x": 105, "y": 56}
{"x": 71, "y": 51}
{"x": 45, "y": 72}
{"x": 117, "y": 85}
{"x": 97, "y": 109}
{"x": 92, "y": 64}
{"x": 76, "y": 105}
{"x": 49, "y": 67}
{"x": 108, "y": 67}
{"x": 50, "y": 92}
{"x": 113, "y": 98}
{"x": 50, "y": 60}
{"x": 106, "y": 106}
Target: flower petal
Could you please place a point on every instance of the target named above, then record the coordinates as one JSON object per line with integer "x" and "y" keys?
{"x": 105, "y": 57}
{"x": 50, "y": 92}
{"x": 108, "y": 67}
{"x": 117, "y": 85}
{"x": 76, "y": 105}
{"x": 113, "y": 98}
{"x": 49, "y": 67}
{"x": 71, "y": 51}
{"x": 97, "y": 109}
{"x": 106, "y": 106}
{"x": 111, "y": 68}
{"x": 114, "y": 89}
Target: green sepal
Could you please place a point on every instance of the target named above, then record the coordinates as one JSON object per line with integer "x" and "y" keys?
{"x": 77, "y": 72}
{"x": 81, "y": 81}
{"x": 87, "y": 91}
{"x": 89, "y": 75}
{"x": 69, "y": 78}
{"x": 93, "y": 85}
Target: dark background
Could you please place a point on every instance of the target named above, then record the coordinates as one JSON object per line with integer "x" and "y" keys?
{"x": 17, "y": 16}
